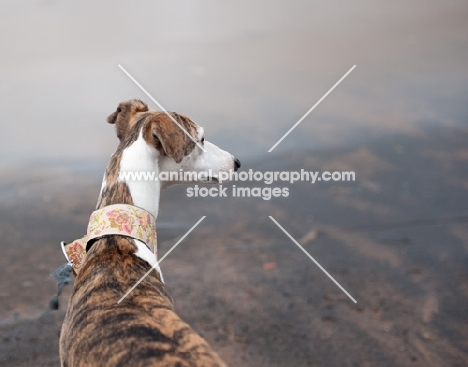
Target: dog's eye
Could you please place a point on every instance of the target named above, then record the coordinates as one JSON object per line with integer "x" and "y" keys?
{"x": 202, "y": 140}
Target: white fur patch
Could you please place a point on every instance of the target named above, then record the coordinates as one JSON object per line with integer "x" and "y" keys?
{"x": 103, "y": 186}
{"x": 145, "y": 253}
{"x": 140, "y": 157}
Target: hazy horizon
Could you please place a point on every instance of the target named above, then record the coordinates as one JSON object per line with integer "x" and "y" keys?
{"x": 246, "y": 71}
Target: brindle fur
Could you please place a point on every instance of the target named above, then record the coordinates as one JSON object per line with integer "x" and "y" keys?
{"x": 144, "y": 329}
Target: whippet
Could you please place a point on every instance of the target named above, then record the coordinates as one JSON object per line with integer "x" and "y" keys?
{"x": 143, "y": 329}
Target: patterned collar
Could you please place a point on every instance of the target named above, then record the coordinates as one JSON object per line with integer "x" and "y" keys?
{"x": 118, "y": 219}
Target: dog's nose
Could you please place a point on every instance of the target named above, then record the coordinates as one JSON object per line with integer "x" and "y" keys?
{"x": 237, "y": 164}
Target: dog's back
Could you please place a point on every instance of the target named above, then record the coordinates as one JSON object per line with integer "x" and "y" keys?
{"x": 142, "y": 330}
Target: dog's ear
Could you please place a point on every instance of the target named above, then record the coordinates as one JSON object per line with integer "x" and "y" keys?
{"x": 169, "y": 136}
{"x": 124, "y": 116}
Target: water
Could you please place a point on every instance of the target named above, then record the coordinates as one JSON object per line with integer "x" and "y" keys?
{"x": 246, "y": 71}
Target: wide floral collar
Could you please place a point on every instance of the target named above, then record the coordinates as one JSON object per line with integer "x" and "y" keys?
{"x": 118, "y": 219}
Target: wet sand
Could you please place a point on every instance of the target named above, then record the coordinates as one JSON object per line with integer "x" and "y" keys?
{"x": 396, "y": 240}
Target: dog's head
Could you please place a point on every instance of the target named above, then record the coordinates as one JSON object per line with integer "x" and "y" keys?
{"x": 180, "y": 146}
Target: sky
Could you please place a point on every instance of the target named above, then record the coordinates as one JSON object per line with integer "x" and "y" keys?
{"x": 246, "y": 71}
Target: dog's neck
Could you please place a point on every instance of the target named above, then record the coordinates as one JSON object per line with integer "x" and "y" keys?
{"x": 118, "y": 187}
{"x": 134, "y": 155}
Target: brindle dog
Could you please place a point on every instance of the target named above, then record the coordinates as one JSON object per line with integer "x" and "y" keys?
{"x": 144, "y": 329}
